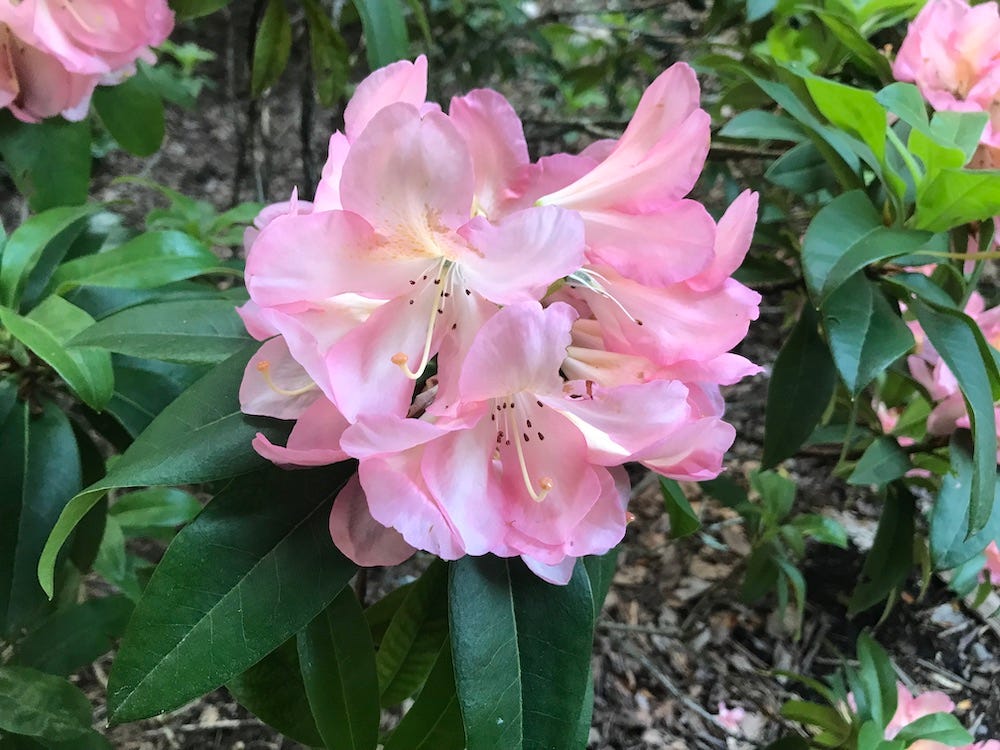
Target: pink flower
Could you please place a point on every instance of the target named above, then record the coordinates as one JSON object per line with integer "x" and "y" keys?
{"x": 991, "y": 573}
{"x": 53, "y": 54}
{"x": 952, "y": 53}
{"x": 730, "y": 718}
{"x": 577, "y": 313}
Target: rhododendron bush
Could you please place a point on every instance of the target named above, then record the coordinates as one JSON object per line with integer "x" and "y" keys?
{"x": 458, "y": 349}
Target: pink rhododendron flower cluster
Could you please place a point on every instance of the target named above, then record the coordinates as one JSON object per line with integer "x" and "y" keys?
{"x": 490, "y": 337}
{"x": 930, "y": 371}
{"x": 53, "y": 53}
{"x": 952, "y": 53}
{"x": 910, "y": 707}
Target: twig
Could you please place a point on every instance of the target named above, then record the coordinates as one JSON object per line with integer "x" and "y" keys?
{"x": 640, "y": 629}
{"x": 220, "y": 724}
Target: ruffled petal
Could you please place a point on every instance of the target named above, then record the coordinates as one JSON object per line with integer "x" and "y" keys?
{"x": 518, "y": 258}
{"x": 270, "y": 369}
{"x": 359, "y": 536}
{"x": 732, "y": 241}
{"x": 328, "y": 191}
{"x": 402, "y": 81}
{"x": 314, "y": 440}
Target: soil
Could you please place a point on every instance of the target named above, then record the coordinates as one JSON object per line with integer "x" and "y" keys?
{"x": 674, "y": 640}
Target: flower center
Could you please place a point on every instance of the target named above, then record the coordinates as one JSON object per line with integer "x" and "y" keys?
{"x": 511, "y": 430}
{"x": 443, "y": 281}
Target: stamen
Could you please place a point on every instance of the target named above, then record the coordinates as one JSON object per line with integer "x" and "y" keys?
{"x": 591, "y": 279}
{"x": 264, "y": 368}
{"x": 399, "y": 358}
{"x": 545, "y": 484}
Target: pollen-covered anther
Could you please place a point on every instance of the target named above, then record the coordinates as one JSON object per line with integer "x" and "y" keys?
{"x": 399, "y": 359}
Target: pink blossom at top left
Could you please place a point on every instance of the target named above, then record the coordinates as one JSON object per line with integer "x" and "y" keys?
{"x": 53, "y": 53}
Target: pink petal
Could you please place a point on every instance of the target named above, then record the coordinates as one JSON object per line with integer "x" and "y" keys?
{"x": 661, "y": 248}
{"x": 518, "y": 258}
{"x": 256, "y": 321}
{"x": 398, "y": 497}
{"x": 519, "y": 349}
{"x": 732, "y": 241}
{"x": 359, "y": 536}
{"x": 493, "y": 133}
{"x": 328, "y": 191}
{"x": 314, "y": 440}
{"x": 257, "y": 392}
{"x": 558, "y": 573}
{"x": 378, "y": 435}
{"x": 401, "y": 81}
{"x": 410, "y": 176}
{"x": 693, "y": 453}
{"x": 547, "y": 175}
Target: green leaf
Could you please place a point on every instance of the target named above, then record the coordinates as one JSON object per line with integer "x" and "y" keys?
{"x": 271, "y": 47}
{"x": 949, "y": 540}
{"x": 522, "y": 654}
{"x": 385, "y": 31}
{"x": 866, "y": 335}
{"x": 882, "y": 462}
{"x": 380, "y": 614}
{"x": 329, "y": 54}
{"x": 144, "y": 262}
{"x": 272, "y": 689}
{"x": 956, "y": 196}
{"x": 144, "y": 388}
{"x": 959, "y": 341}
{"x": 891, "y": 557}
{"x": 253, "y": 569}
{"x": 826, "y": 718}
{"x": 156, "y": 507}
{"x": 683, "y": 520}
{"x": 777, "y": 493}
{"x": 789, "y": 743}
{"x": 132, "y": 112}
{"x": 802, "y": 382}
{"x": 759, "y": 125}
{"x": 853, "y": 110}
{"x": 411, "y": 643}
{"x": 39, "y": 472}
{"x": 338, "y": 669}
{"x": 905, "y": 101}
{"x": 802, "y": 169}
{"x": 46, "y": 331}
{"x": 74, "y": 637}
{"x": 184, "y": 9}
{"x": 821, "y": 528}
{"x": 862, "y": 51}
{"x": 41, "y": 705}
{"x": 49, "y": 161}
{"x": 847, "y": 235}
{"x": 187, "y": 331}
{"x": 200, "y": 437}
{"x": 25, "y": 245}
{"x": 878, "y": 678}
{"x": 939, "y": 727}
{"x": 601, "y": 571}
{"x": 434, "y": 721}
{"x": 949, "y": 142}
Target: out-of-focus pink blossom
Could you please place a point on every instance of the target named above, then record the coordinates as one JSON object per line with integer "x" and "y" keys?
{"x": 730, "y": 718}
{"x": 911, "y": 707}
{"x": 53, "y": 53}
{"x": 952, "y": 52}
{"x": 991, "y": 573}
{"x": 576, "y": 312}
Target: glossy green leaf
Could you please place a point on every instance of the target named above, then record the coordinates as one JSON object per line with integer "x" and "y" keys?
{"x": 939, "y": 727}
{"x": 253, "y": 569}
{"x": 338, "y": 668}
{"x": 905, "y": 101}
{"x": 878, "y": 677}
{"x": 802, "y": 382}
{"x": 882, "y": 462}
{"x": 891, "y": 557}
{"x": 74, "y": 637}
{"x": 411, "y": 643}
{"x": 601, "y": 571}
{"x": 42, "y": 706}
{"x": 847, "y": 235}
{"x": 854, "y": 110}
{"x": 827, "y": 718}
{"x": 39, "y": 472}
{"x": 49, "y": 161}
{"x": 271, "y": 47}
{"x": 329, "y": 54}
{"x": 149, "y": 260}
{"x": 866, "y": 335}
{"x": 756, "y": 124}
{"x": 862, "y": 51}
{"x": 26, "y": 244}
{"x": 46, "y": 331}
{"x": 272, "y": 689}
{"x": 144, "y": 388}
{"x": 132, "y": 112}
{"x": 802, "y": 169}
{"x": 522, "y": 654}
{"x": 202, "y": 436}
{"x": 949, "y": 142}
{"x": 959, "y": 341}
{"x": 949, "y": 538}
{"x": 380, "y": 614}
{"x": 683, "y": 520}
{"x": 385, "y": 31}
{"x": 957, "y": 196}
{"x": 434, "y": 721}
{"x": 156, "y": 507}
{"x": 187, "y": 331}
{"x": 196, "y": 8}
{"x": 821, "y": 528}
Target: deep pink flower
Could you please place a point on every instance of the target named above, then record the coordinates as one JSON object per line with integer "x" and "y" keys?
{"x": 53, "y": 54}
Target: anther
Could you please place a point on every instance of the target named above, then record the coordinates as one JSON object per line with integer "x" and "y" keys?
{"x": 411, "y": 301}
{"x": 541, "y": 436}
{"x": 467, "y": 292}
{"x": 528, "y": 422}
{"x": 413, "y": 283}
{"x": 546, "y": 484}
{"x": 525, "y": 436}
{"x": 540, "y": 403}
{"x": 399, "y": 359}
